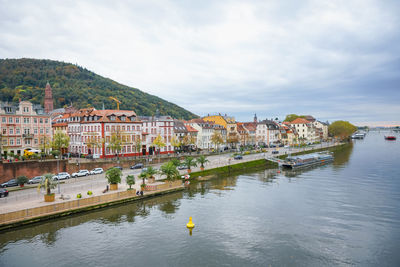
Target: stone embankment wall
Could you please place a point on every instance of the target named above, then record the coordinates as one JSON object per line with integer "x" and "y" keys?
{"x": 35, "y": 168}
{"x": 68, "y": 207}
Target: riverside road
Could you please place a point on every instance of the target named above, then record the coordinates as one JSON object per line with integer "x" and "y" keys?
{"x": 73, "y": 186}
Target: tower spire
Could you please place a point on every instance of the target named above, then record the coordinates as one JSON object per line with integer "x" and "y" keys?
{"x": 48, "y": 98}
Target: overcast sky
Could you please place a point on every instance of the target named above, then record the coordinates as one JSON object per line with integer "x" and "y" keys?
{"x": 331, "y": 59}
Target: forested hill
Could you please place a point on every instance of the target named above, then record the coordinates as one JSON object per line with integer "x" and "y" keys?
{"x": 26, "y": 79}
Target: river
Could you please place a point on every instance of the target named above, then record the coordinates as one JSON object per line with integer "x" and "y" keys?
{"x": 345, "y": 213}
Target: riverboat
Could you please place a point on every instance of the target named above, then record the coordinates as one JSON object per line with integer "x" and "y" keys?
{"x": 390, "y": 137}
{"x": 294, "y": 162}
{"x": 360, "y": 135}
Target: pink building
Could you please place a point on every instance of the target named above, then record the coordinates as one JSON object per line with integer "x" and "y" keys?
{"x": 23, "y": 126}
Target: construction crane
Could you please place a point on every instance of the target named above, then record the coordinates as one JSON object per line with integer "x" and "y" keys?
{"x": 116, "y": 100}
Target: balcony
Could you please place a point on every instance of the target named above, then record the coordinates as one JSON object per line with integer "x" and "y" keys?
{"x": 28, "y": 136}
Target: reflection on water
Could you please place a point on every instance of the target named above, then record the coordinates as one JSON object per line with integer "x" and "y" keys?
{"x": 342, "y": 213}
{"x": 342, "y": 155}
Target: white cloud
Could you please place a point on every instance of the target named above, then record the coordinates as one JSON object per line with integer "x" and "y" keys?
{"x": 225, "y": 56}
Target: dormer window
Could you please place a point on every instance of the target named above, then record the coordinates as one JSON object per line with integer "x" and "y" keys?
{"x": 123, "y": 118}
{"x": 112, "y": 118}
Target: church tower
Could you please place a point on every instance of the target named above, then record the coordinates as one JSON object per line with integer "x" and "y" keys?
{"x": 48, "y": 99}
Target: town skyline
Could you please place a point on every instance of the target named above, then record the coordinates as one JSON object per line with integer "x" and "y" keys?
{"x": 332, "y": 60}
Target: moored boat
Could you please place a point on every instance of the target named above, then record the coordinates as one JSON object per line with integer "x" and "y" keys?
{"x": 300, "y": 161}
{"x": 390, "y": 137}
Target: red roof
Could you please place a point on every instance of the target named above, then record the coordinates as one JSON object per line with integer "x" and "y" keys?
{"x": 300, "y": 121}
{"x": 190, "y": 128}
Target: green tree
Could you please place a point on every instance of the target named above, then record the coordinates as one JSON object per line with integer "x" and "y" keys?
{"x": 169, "y": 169}
{"x": 292, "y": 117}
{"x": 130, "y": 180}
{"x": 113, "y": 176}
{"x": 115, "y": 143}
{"x": 93, "y": 142}
{"x": 202, "y": 160}
{"x": 60, "y": 141}
{"x": 216, "y": 139}
{"x": 48, "y": 183}
{"x": 176, "y": 162}
{"x": 21, "y": 180}
{"x": 159, "y": 142}
{"x": 190, "y": 162}
{"x": 175, "y": 142}
{"x": 45, "y": 143}
{"x": 341, "y": 129}
{"x": 138, "y": 144}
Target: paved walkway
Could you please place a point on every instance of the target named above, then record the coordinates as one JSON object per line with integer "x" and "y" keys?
{"x": 31, "y": 198}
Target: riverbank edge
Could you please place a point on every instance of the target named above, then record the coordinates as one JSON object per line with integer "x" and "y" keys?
{"x": 21, "y": 223}
{"x": 255, "y": 164}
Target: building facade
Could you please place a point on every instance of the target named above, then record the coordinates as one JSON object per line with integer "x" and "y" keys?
{"x": 24, "y": 126}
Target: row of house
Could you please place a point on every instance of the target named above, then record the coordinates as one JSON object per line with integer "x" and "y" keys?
{"x": 108, "y": 133}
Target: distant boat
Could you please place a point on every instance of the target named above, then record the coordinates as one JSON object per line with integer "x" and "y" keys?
{"x": 295, "y": 162}
{"x": 358, "y": 136}
{"x": 390, "y": 137}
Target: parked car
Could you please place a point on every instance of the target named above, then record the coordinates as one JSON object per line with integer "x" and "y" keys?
{"x": 80, "y": 173}
{"x": 238, "y": 157}
{"x": 89, "y": 156}
{"x": 35, "y": 180}
{"x": 137, "y": 166}
{"x": 12, "y": 182}
{"x": 275, "y": 152}
{"x": 96, "y": 171}
{"x": 3, "y": 192}
{"x": 62, "y": 176}
{"x": 182, "y": 167}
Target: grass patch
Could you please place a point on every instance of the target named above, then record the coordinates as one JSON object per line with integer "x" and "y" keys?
{"x": 261, "y": 163}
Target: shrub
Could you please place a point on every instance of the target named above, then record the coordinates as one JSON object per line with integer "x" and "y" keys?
{"x": 79, "y": 195}
{"x": 89, "y": 193}
{"x": 113, "y": 176}
{"x": 22, "y": 179}
{"x": 130, "y": 180}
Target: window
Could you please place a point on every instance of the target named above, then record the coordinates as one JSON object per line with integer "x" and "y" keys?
{"x": 41, "y": 130}
{"x": 11, "y": 142}
{"x": 41, "y": 120}
{"x": 36, "y": 141}
{"x": 26, "y": 130}
{"x": 26, "y": 120}
{"x": 27, "y": 141}
{"x": 3, "y": 120}
{"x": 47, "y": 120}
{"x": 17, "y": 131}
{"x": 11, "y": 131}
{"x": 10, "y": 120}
{"x": 16, "y": 120}
{"x": 18, "y": 141}
{"x": 35, "y": 120}
{"x": 35, "y": 131}
{"x": 47, "y": 130}
{"x": 107, "y": 128}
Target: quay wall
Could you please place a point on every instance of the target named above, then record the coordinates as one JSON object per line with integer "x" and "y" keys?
{"x": 32, "y": 168}
{"x": 60, "y": 209}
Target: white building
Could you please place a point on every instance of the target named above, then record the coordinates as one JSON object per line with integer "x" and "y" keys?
{"x": 154, "y": 126}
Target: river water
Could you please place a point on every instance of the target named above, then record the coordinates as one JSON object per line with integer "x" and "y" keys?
{"x": 342, "y": 214}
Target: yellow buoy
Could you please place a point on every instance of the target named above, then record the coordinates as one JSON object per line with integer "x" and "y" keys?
{"x": 190, "y": 224}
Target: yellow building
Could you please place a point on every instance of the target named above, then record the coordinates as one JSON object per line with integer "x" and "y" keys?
{"x": 229, "y": 124}
{"x": 221, "y": 120}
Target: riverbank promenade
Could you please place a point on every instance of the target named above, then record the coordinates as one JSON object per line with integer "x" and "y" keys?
{"x": 32, "y": 198}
